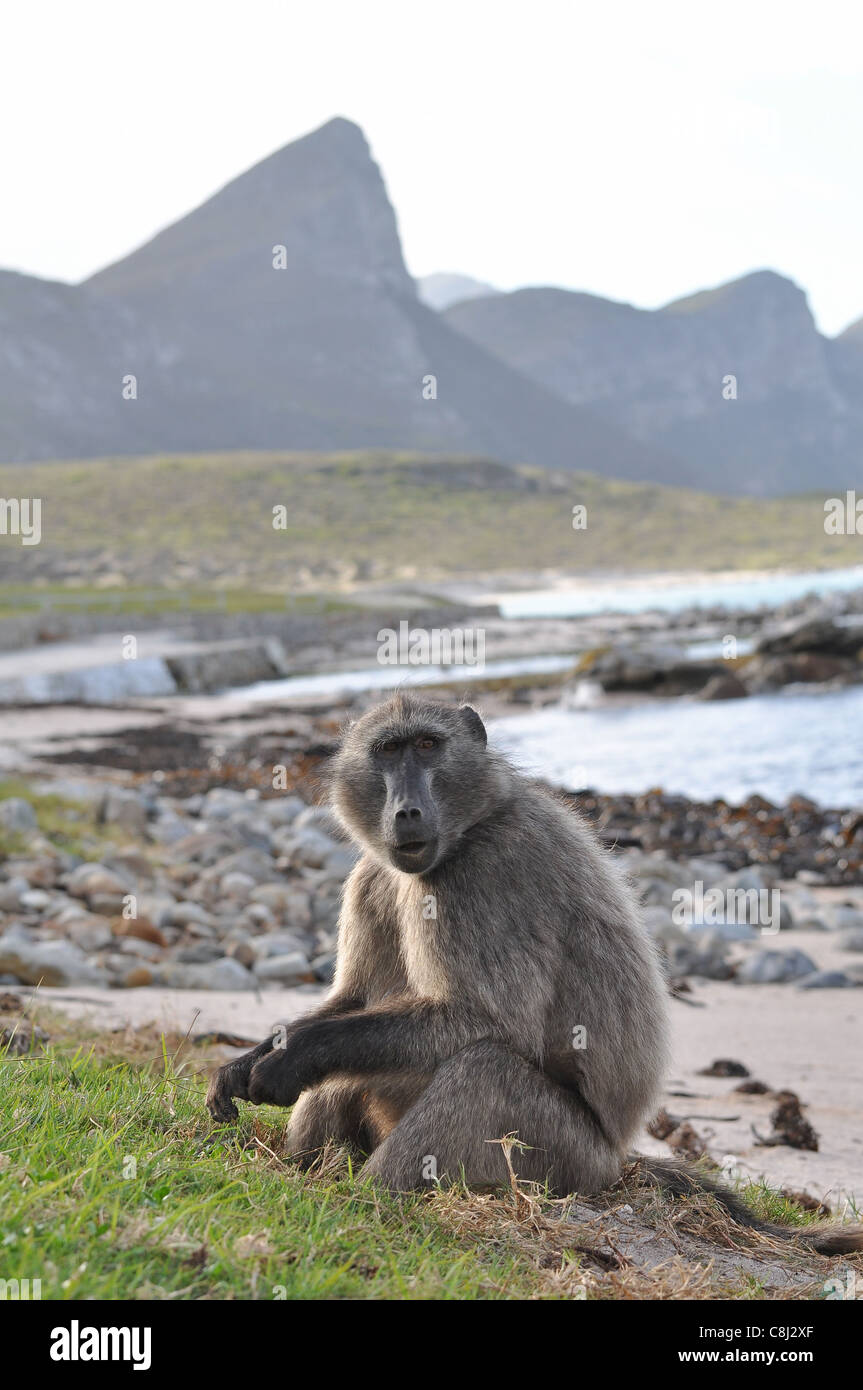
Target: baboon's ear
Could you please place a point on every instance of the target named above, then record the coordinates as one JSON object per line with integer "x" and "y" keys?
{"x": 474, "y": 724}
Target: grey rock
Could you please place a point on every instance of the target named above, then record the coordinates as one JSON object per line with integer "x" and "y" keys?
{"x": 287, "y": 902}
{"x": 340, "y": 861}
{"x": 201, "y": 952}
{"x": 89, "y": 932}
{"x": 755, "y": 877}
{"x": 237, "y": 886}
{"x": 707, "y": 871}
{"x": 324, "y": 967}
{"x": 827, "y": 979}
{"x": 286, "y": 969}
{"x": 17, "y": 815}
{"x": 184, "y": 914}
{"x": 320, "y": 818}
{"x": 252, "y": 830}
{"x": 724, "y": 686}
{"x": 223, "y": 974}
{"x": 125, "y": 809}
{"x": 11, "y": 893}
{"x": 169, "y": 829}
{"x": 130, "y": 863}
{"x": 852, "y": 939}
{"x": 846, "y": 918}
{"x": 242, "y": 950}
{"x": 727, "y": 931}
{"x": 140, "y": 947}
{"x": 108, "y": 904}
{"x": 657, "y": 920}
{"x": 52, "y": 963}
{"x": 656, "y": 867}
{"x": 221, "y": 802}
{"x": 157, "y": 907}
{"x": 89, "y": 880}
{"x": 325, "y": 908}
{"x": 775, "y": 967}
{"x": 256, "y": 864}
{"x": 282, "y": 810}
{"x": 259, "y": 916}
{"x": 820, "y": 631}
{"x": 280, "y": 943}
{"x": 708, "y": 964}
{"x": 304, "y": 848}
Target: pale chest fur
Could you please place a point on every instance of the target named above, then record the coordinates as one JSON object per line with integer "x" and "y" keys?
{"x": 424, "y": 944}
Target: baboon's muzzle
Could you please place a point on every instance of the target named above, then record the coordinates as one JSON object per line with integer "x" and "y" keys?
{"x": 410, "y": 817}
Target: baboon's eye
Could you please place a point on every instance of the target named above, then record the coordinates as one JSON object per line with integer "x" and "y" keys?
{"x": 391, "y": 746}
{"x": 427, "y": 742}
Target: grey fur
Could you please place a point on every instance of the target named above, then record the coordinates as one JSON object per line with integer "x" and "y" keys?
{"x": 444, "y": 1034}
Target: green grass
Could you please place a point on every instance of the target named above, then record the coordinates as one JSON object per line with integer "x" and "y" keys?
{"x": 69, "y": 825}
{"x": 203, "y": 525}
{"x": 115, "y": 1184}
{"x": 209, "y": 1213}
{"x": 17, "y": 600}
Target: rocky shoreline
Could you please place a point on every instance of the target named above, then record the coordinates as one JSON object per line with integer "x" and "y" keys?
{"x": 711, "y": 653}
{"x": 195, "y": 853}
{"x": 210, "y": 878}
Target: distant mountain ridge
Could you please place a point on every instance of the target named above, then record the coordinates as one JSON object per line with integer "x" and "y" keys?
{"x": 737, "y": 377}
{"x": 280, "y": 315}
{"x": 443, "y": 289}
{"x": 333, "y": 349}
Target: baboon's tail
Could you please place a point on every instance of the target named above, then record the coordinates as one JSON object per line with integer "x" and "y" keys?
{"x": 683, "y": 1179}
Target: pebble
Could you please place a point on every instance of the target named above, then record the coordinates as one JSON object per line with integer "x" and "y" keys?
{"x": 49, "y": 962}
{"x": 90, "y": 933}
{"x": 847, "y": 919}
{"x": 223, "y": 974}
{"x": 17, "y": 815}
{"x": 126, "y": 809}
{"x": 11, "y": 892}
{"x": 90, "y": 880}
{"x": 291, "y": 968}
{"x": 775, "y": 967}
{"x": 827, "y": 979}
{"x": 852, "y": 939}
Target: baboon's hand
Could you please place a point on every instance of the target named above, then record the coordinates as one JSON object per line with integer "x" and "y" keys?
{"x": 232, "y": 1080}
{"x": 278, "y": 1078}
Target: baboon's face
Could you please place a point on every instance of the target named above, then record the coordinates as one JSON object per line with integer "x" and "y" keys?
{"x": 406, "y": 781}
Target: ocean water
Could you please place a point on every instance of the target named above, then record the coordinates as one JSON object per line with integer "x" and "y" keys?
{"x": 774, "y": 744}
{"x": 634, "y": 596}
{"x": 386, "y": 678}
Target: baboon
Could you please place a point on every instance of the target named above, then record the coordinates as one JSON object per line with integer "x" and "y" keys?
{"x": 493, "y": 979}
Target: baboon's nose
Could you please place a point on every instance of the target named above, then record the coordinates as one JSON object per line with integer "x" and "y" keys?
{"x": 409, "y": 825}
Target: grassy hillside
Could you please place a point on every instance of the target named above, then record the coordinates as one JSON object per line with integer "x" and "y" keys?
{"x": 208, "y": 520}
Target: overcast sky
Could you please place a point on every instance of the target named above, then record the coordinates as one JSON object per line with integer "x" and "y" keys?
{"x": 636, "y": 150}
